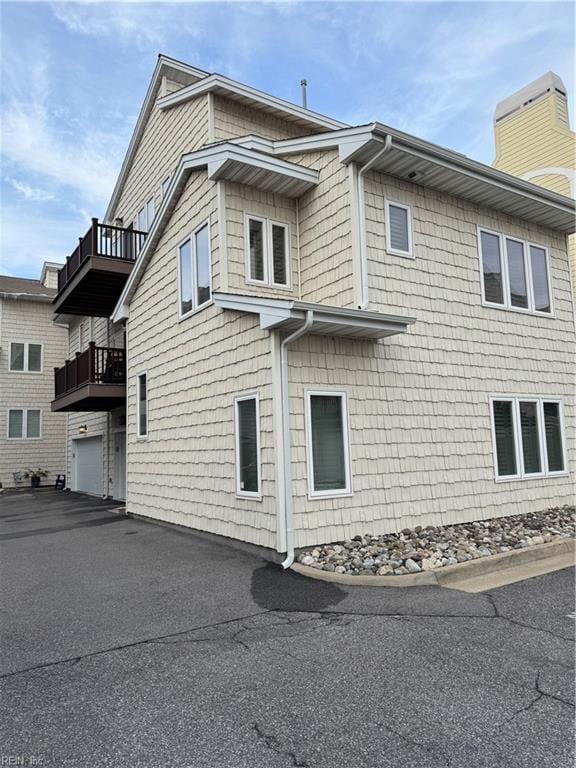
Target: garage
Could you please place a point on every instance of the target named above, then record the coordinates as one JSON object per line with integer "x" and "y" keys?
{"x": 88, "y": 473}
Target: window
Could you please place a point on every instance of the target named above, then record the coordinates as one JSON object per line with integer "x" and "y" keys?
{"x": 145, "y": 216}
{"x": 399, "y": 229}
{"x": 515, "y": 274}
{"x": 164, "y": 187}
{"x": 267, "y": 252}
{"x": 142, "y": 405}
{"x": 195, "y": 271}
{"x": 26, "y": 358}
{"x": 24, "y": 424}
{"x": 528, "y": 437}
{"x": 327, "y": 444}
{"x": 247, "y": 446}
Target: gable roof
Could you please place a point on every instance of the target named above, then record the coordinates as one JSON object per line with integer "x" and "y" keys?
{"x": 165, "y": 67}
{"x": 245, "y": 94}
{"x": 24, "y": 288}
{"x": 224, "y": 160}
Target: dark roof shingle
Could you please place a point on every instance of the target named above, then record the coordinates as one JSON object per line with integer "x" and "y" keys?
{"x": 24, "y": 286}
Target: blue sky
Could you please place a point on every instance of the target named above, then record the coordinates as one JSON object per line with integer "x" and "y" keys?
{"x": 74, "y": 76}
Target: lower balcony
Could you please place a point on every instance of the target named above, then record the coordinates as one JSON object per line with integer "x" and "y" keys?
{"x": 94, "y": 380}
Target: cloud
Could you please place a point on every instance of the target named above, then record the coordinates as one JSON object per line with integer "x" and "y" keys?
{"x": 41, "y": 136}
{"x": 28, "y": 192}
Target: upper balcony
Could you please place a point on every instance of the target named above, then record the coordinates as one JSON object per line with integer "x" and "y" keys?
{"x": 91, "y": 281}
{"x": 94, "y": 380}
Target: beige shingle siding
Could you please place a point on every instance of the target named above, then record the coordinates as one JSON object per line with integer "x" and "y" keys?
{"x": 28, "y": 321}
{"x": 184, "y": 472}
{"x": 242, "y": 200}
{"x": 418, "y": 403}
{"x": 232, "y": 119}
{"x": 168, "y": 135}
{"x": 325, "y": 235}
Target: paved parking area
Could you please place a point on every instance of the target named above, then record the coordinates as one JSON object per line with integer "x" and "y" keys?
{"x": 126, "y": 643}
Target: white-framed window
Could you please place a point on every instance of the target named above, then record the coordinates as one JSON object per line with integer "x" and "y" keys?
{"x": 267, "y": 252}
{"x": 399, "y": 229}
{"x": 142, "y": 405}
{"x": 25, "y": 357}
{"x": 164, "y": 187}
{"x": 146, "y": 216}
{"x": 24, "y": 424}
{"x": 247, "y": 427}
{"x": 194, "y": 271}
{"x": 328, "y": 444}
{"x": 528, "y": 437}
{"x": 514, "y": 273}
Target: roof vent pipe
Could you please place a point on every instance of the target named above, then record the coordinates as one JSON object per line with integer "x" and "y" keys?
{"x": 304, "y": 86}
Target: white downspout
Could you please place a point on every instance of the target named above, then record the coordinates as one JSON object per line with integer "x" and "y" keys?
{"x": 288, "y": 499}
{"x": 362, "y": 221}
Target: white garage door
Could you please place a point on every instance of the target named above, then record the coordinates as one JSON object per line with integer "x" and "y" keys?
{"x": 88, "y": 465}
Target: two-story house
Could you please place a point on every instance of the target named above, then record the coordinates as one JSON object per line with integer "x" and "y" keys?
{"x": 31, "y": 345}
{"x": 329, "y": 329}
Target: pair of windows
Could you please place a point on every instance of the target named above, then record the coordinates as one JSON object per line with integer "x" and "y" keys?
{"x": 327, "y": 445}
{"x": 24, "y": 424}
{"x": 267, "y": 252}
{"x": 399, "y": 229}
{"x": 528, "y": 437}
{"x": 194, "y": 271}
{"x": 25, "y": 357}
{"x": 515, "y": 274}
{"x": 146, "y": 216}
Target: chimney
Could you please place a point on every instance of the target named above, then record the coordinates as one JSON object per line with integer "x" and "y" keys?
{"x": 533, "y": 137}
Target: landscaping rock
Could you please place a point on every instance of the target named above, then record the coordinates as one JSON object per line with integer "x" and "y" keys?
{"x": 425, "y": 549}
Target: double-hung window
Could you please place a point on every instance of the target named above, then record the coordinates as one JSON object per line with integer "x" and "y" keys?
{"x": 25, "y": 357}
{"x": 24, "y": 424}
{"x": 142, "y": 405}
{"x": 195, "y": 271}
{"x": 267, "y": 252}
{"x": 515, "y": 274}
{"x": 146, "y": 216}
{"x": 528, "y": 437}
{"x": 328, "y": 444}
{"x": 399, "y": 229}
{"x": 247, "y": 415}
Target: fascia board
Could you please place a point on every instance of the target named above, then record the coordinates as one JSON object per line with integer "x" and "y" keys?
{"x": 213, "y": 82}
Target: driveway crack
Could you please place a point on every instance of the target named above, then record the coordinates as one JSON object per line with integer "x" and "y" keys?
{"x": 272, "y": 743}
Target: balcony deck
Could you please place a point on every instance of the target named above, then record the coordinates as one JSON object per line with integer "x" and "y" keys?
{"x": 94, "y": 380}
{"x": 91, "y": 281}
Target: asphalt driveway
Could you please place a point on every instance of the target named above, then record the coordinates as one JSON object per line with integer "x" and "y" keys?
{"x": 125, "y": 643}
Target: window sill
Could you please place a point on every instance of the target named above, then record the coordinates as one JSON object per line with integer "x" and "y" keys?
{"x": 249, "y": 496}
{"x": 316, "y": 495}
{"x": 519, "y": 310}
{"x": 540, "y": 476}
{"x": 28, "y": 373}
{"x": 195, "y": 311}
{"x": 403, "y": 254}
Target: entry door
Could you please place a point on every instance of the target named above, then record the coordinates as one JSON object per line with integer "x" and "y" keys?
{"x": 89, "y": 473}
{"x": 120, "y": 466}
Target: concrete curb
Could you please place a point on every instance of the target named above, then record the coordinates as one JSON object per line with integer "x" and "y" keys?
{"x": 450, "y": 575}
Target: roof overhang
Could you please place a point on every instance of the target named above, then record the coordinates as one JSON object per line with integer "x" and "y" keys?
{"x": 429, "y": 165}
{"x": 252, "y": 97}
{"x": 38, "y": 297}
{"x": 289, "y": 315}
{"x": 222, "y": 161}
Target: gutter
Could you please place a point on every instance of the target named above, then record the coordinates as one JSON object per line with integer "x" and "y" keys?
{"x": 361, "y": 209}
{"x": 287, "y": 443}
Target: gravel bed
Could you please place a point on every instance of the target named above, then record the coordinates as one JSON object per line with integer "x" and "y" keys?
{"x": 433, "y": 547}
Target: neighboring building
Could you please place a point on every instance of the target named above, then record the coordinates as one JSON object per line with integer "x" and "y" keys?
{"x": 330, "y": 329}
{"x": 534, "y": 141}
{"x": 31, "y": 345}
